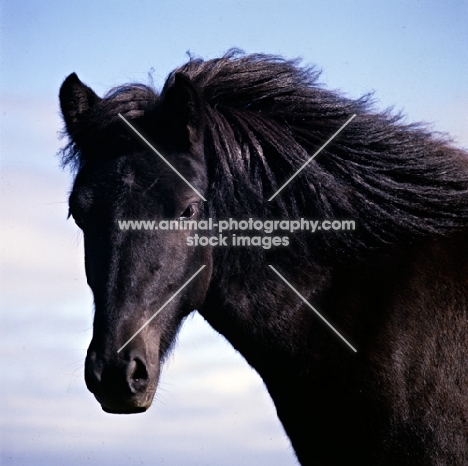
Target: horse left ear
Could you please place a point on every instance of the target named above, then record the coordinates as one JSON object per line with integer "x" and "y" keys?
{"x": 75, "y": 100}
{"x": 183, "y": 112}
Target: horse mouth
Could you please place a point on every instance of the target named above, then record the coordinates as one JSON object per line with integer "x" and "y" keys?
{"x": 128, "y": 403}
{"x": 129, "y": 406}
{"x": 132, "y": 410}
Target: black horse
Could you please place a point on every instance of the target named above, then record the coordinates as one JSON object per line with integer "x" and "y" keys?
{"x": 234, "y": 130}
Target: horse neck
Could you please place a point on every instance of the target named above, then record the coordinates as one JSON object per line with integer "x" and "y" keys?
{"x": 262, "y": 319}
{"x": 276, "y": 332}
{"x": 405, "y": 310}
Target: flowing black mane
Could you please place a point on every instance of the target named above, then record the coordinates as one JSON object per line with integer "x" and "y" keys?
{"x": 265, "y": 116}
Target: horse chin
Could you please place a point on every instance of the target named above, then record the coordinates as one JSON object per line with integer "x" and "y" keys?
{"x": 130, "y": 406}
{"x": 133, "y": 410}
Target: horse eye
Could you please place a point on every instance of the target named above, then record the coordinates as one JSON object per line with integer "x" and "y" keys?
{"x": 189, "y": 212}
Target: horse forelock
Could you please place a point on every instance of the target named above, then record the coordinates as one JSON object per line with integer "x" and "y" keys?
{"x": 132, "y": 101}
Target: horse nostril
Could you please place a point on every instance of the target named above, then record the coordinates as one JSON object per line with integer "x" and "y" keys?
{"x": 139, "y": 370}
{"x": 116, "y": 379}
{"x": 137, "y": 375}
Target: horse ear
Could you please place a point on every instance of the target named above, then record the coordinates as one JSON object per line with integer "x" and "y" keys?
{"x": 183, "y": 112}
{"x": 75, "y": 99}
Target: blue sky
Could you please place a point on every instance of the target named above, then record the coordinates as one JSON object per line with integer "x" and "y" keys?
{"x": 211, "y": 408}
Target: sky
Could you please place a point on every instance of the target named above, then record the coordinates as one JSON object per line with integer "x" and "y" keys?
{"x": 211, "y": 408}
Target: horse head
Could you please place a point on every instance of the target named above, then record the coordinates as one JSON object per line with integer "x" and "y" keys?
{"x": 133, "y": 273}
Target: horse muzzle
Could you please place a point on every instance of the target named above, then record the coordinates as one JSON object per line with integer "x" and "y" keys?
{"x": 122, "y": 384}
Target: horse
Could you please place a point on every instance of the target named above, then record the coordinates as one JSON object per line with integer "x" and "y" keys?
{"x": 257, "y": 138}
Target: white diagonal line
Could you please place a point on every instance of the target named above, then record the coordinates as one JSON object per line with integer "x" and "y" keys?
{"x": 162, "y": 307}
{"x": 315, "y": 310}
{"x": 160, "y": 155}
{"x": 311, "y": 158}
